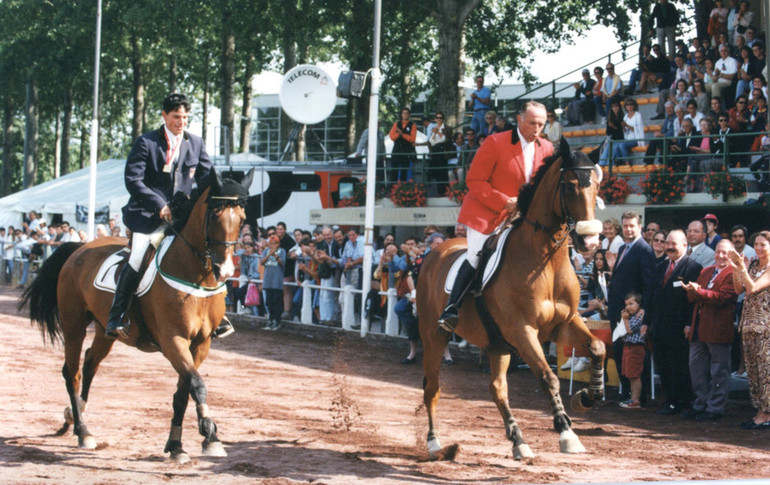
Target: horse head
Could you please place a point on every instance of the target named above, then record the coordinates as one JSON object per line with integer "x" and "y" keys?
{"x": 225, "y": 214}
{"x": 580, "y": 178}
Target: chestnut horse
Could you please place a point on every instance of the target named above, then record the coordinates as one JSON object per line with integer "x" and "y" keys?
{"x": 179, "y": 322}
{"x": 532, "y": 299}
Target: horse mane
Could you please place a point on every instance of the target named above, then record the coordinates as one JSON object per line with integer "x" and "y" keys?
{"x": 233, "y": 193}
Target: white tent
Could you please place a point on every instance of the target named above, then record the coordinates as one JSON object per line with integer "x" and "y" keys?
{"x": 62, "y": 195}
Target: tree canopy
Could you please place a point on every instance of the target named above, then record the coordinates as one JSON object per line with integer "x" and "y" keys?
{"x": 212, "y": 50}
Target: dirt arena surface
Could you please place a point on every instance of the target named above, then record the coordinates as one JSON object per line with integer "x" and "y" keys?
{"x": 301, "y": 406}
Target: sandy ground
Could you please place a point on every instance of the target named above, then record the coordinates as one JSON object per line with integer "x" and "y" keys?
{"x": 318, "y": 406}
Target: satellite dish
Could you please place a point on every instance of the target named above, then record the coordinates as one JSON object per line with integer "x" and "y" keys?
{"x": 308, "y": 95}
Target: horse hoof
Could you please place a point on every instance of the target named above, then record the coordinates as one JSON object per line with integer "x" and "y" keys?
{"x": 434, "y": 448}
{"x": 86, "y": 442}
{"x": 523, "y": 452}
{"x": 570, "y": 443}
{"x": 179, "y": 457}
{"x": 581, "y": 402}
{"x": 213, "y": 448}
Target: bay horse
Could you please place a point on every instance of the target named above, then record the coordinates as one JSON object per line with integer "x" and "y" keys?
{"x": 179, "y": 322}
{"x": 533, "y": 298}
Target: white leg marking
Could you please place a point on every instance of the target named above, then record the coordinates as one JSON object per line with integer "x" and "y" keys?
{"x": 570, "y": 443}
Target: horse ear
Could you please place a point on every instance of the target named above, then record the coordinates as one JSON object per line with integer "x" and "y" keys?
{"x": 247, "y": 180}
{"x": 216, "y": 181}
{"x": 564, "y": 147}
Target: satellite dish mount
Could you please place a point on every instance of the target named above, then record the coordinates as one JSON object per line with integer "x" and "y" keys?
{"x": 308, "y": 96}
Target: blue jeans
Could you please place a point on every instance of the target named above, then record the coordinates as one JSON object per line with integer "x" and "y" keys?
{"x": 403, "y": 310}
{"x": 478, "y": 123}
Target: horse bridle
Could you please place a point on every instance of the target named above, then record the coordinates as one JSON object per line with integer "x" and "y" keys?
{"x": 567, "y": 219}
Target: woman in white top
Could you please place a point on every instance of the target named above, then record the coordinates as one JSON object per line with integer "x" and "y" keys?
{"x": 633, "y": 131}
{"x": 612, "y": 241}
{"x": 552, "y": 130}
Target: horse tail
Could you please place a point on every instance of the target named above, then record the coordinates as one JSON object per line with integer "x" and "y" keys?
{"x": 41, "y": 294}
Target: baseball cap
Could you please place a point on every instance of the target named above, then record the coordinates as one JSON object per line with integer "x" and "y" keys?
{"x": 711, "y": 217}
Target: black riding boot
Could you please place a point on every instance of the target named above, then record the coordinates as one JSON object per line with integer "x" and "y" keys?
{"x": 449, "y": 317}
{"x": 127, "y": 282}
{"x": 224, "y": 329}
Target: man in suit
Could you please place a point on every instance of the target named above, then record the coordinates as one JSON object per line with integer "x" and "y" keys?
{"x": 669, "y": 313}
{"x": 632, "y": 271}
{"x": 710, "y": 335}
{"x": 699, "y": 250}
{"x": 503, "y": 163}
{"x": 161, "y": 163}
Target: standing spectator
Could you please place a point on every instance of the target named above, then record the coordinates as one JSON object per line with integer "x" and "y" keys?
{"x": 612, "y": 90}
{"x": 668, "y": 313}
{"x": 748, "y": 67}
{"x": 274, "y": 260}
{"x": 733, "y": 11}
{"x": 739, "y": 120}
{"x": 250, "y": 262}
{"x": 404, "y": 134}
{"x": 552, "y": 130}
{"x": 726, "y": 71}
{"x": 286, "y": 243}
{"x": 718, "y": 20}
{"x": 665, "y": 19}
{"x": 461, "y": 230}
{"x": 9, "y": 252}
{"x": 649, "y": 230}
{"x": 698, "y": 250}
{"x": 668, "y": 85}
{"x": 352, "y": 259}
{"x": 576, "y": 114}
{"x": 613, "y": 239}
{"x": 480, "y": 103}
{"x": 363, "y": 146}
{"x": 739, "y": 237}
{"x": 710, "y": 334}
{"x": 632, "y": 271}
{"x": 659, "y": 246}
{"x": 455, "y": 171}
{"x": 743, "y": 19}
{"x": 633, "y": 348}
{"x": 326, "y": 274}
{"x": 712, "y": 236}
{"x": 753, "y": 326}
{"x": 440, "y": 148}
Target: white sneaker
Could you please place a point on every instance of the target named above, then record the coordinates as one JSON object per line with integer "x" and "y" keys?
{"x": 581, "y": 364}
{"x": 568, "y": 365}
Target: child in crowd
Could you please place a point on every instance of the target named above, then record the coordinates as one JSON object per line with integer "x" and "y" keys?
{"x": 273, "y": 259}
{"x": 633, "y": 348}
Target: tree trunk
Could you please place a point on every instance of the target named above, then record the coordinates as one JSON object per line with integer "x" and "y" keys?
{"x": 57, "y": 145}
{"x": 137, "y": 120}
{"x": 227, "y": 120}
{"x": 5, "y": 186}
{"x": 66, "y": 133}
{"x": 30, "y": 135}
{"x": 248, "y": 77}
{"x": 205, "y": 107}
{"x": 83, "y": 141}
{"x": 173, "y": 71}
{"x": 450, "y": 18}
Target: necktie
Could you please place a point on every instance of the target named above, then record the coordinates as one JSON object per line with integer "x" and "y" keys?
{"x": 689, "y": 251}
{"x": 626, "y": 247}
{"x": 668, "y": 273}
{"x": 713, "y": 277}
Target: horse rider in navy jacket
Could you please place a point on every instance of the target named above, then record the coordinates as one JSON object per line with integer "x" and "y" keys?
{"x": 161, "y": 163}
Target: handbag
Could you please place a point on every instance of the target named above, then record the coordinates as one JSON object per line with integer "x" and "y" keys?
{"x": 252, "y": 295}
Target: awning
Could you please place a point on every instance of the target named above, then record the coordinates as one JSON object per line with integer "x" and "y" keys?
{"x": 387, "y": 216}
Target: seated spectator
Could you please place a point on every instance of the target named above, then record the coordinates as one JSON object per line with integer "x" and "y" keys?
{"x": 598, "y": 84}
{"x": 748, "y": 67}
{"x": 716, "y": 109}
{"x": 680, "y": 95}
{"x": 758, "y": 83}
{"x": 698, "y": 67}
{"x": 758, "y": 120}
{"x": 758, "y": 49}
{"x": 679, "y": 112}
{"x": 760, "y": 168}
{"x": 667, "y": 131}
{"x": 552, "y": 130}
{"x": 681, "y": 72}
{"x": 701, "y": 160}
{"x": 682, "y": 150}
{"x": 739, "y": 119}
{"x": 700, "y": 95}
{"x": 692, "y": 112}
{"x": 455, "y": 172}
{"x": 724, "y": 143}
{"x": 726, "y": 71}
{"x": 633, "y": 132}
{"x": 490, "y": 118}
{"x": 583, "y": 97}
{"x": 612, "y": 90}
{"x": 709, "y": 49}
{"x": 503, "y": 124}
{"x": 614, "y": 130}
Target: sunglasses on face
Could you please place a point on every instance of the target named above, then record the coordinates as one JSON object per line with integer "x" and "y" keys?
{"x": 439, "y": 117}
{"x": 659, "y": 240}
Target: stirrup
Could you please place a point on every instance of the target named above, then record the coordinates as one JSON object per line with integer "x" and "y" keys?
{"x": 121, "y": 331}
{"x": 449, "y": 319}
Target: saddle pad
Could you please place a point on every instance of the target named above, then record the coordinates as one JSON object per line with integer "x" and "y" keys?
{"x": 107, "y": 277}
{"x": 489, "y": 269}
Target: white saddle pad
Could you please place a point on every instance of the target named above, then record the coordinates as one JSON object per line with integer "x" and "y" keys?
{"x": 489, "y": 269}
{"x": 106, "y": 277}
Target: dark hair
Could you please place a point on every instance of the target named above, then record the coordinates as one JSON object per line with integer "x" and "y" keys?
{"x": 740, "y": 227}
{"x": 631, "y": 215}
{"x": 172, "y": 102}
{"x": 282, "y": 224}
{"x": 636, "y": 296}
{"x": 603, "y": 254}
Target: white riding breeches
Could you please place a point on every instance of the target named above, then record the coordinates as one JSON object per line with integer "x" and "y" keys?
{"x": 139, "y": 244}
{"x": 475, "y": 244}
